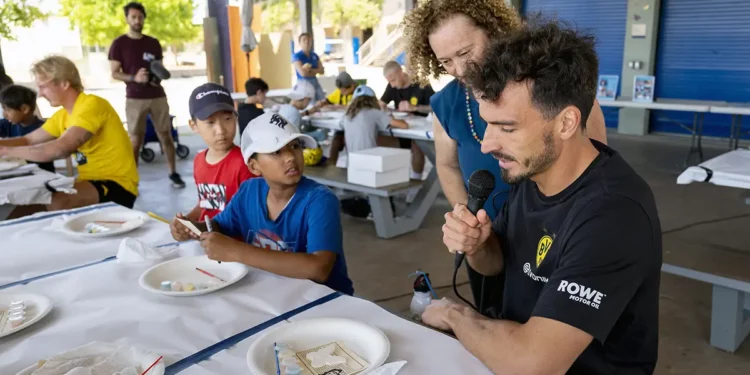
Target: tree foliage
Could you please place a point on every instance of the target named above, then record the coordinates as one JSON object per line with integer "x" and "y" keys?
{"x": 282, "y": 14}
{"x": 101, "y": 21}
{"x": 17, "y": 13}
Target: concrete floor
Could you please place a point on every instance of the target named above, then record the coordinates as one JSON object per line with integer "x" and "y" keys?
{"x": 380, "y": 268}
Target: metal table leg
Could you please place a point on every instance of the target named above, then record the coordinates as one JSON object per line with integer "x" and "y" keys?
{"x": 696, "y": 139}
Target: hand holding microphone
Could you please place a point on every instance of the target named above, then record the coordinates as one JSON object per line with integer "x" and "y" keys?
{"x": 467, "y": 227}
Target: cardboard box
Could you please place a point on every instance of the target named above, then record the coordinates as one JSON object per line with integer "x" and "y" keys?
{"x": 380, "y": 159}
{"x": 377, "y": 179}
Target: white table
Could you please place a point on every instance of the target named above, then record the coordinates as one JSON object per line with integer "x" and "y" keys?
{"x": 274, "y": 95}
{"x": 699, "y": 109}
{"x": 730, "y": 169}
{"x": 737, "y": 110}
{"x": 420, "y": 131}
{"x": 103, "y": 302}
{"x": 27, "y": 190}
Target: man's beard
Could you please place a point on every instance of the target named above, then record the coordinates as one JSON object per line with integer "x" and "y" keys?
{"x": 535, "y": 164}
{"x": 136, "y": 28}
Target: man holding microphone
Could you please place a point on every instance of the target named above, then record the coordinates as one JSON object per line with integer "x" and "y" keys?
{"x": 579, "y": 237}
{"x": 133, "y": 56}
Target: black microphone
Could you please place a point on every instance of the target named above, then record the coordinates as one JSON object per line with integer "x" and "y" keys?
{"x": 481, "y": 185}
{"x": 157, "y": 69}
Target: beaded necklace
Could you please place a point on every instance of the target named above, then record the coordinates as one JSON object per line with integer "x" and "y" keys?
{"x": 471, "y": 121}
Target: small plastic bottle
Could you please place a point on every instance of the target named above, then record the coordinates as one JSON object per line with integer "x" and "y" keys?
{"x": 421, "y": 297}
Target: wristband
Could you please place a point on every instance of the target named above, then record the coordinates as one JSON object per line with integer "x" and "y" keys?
{"x": 132, "y": 78}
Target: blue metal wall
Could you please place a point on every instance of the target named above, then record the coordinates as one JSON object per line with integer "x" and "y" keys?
{"x": 703, "y": 54}
{"x": 606, "y": 19}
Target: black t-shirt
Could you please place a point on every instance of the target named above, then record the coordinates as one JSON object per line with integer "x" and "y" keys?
{"x": 589, "y": 257}
{"x": 246, "y": 113}
{"x": 413, "y": 94}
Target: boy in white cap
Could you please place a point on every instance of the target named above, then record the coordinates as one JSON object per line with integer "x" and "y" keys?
{"x": 283, "y": 211}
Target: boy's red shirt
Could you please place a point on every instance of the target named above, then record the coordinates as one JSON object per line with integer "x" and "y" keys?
{"x": 218, "y": 183}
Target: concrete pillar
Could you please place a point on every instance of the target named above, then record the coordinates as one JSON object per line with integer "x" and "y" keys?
{"x": 305, "y": 18}
{"x": 638, "y": 49}
{"x": 218, "y": 9}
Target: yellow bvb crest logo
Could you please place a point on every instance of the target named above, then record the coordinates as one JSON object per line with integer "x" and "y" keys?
{"x": 541, "y": 249}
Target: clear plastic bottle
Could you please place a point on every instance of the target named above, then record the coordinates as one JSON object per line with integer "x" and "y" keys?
{"x": 421, "y": 298}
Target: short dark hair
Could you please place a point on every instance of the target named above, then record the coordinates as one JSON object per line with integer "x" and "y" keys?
{"x": 15, "y": 96}
{"x": 304, "y": 34}
{"x": 559, "y": 62}
{"x": 134, "y": 5}
{"x": 252, "y": 86}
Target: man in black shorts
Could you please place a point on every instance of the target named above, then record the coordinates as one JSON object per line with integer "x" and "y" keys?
{"x": 87, "y": 127}
{"x": 407, "y": 97}
{"x": 579, "y": 237}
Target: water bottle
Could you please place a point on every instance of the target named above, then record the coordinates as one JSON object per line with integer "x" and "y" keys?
{"x": 421, "y": 297}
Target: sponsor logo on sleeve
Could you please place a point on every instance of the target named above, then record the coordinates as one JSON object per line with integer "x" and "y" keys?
{"x": 582, "y": 294}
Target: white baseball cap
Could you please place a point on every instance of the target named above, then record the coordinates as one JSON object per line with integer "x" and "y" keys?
{"x": 301, "y": 90}
{"x": 269, "y": 133}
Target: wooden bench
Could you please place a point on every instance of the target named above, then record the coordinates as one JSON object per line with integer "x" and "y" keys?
{"x": 387, "y": 225}
{"x": 729, "y": 273}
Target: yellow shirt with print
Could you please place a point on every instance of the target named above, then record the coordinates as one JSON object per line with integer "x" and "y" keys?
{"x": 338, "y": 99}
{"x": 107, "y": 155}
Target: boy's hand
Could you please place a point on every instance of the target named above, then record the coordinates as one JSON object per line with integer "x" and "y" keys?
{"x": 218, "y": 246}
{"x": 179, "y": 231}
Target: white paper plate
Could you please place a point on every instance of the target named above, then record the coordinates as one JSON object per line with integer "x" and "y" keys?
{"x": 400, "y": 115}
{"x": 37, "y": 307}
{"x": 368, "y": 342}
{"x": 76, "y": 225}
{"x": 183, "y": 270}
{"x": 8, "y": 163}
{"x": 146, "y": 360}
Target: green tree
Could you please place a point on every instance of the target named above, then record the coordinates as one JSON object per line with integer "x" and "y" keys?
{"x": 17, "y": 13}
{"x": 281, "y": 14}
{"x": 101, "y": 21}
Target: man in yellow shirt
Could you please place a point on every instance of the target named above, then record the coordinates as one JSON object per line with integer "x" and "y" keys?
{"x": 88, "y": 127}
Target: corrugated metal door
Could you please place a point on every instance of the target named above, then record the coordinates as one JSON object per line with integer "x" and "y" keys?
{"x": 703, "y": 54}
{"x": 606, "y": 19}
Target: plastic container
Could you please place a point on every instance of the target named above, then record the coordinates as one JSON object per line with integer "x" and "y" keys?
{"x": 421, "y": 298}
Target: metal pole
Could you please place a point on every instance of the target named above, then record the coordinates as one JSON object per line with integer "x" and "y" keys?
{"x": 305, "y": 18}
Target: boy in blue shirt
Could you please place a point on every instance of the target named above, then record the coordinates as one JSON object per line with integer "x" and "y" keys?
{"x": 283, "y": 211}
{"x": 18, "y": 104}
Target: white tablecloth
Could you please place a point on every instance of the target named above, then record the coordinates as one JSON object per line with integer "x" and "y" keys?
{"x": 730, "y": 169}
{"x": 30, "y": 189}
{"x": 29, "y": 249}
{"x": 104, "y": 302}
{"x": 419, "y": 127}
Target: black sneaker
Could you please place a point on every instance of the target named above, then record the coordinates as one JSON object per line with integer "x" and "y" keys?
{"x": 176, "y": 181}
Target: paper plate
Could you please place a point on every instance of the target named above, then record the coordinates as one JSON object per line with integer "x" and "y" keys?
{"x": 400, "y": 115}
{"x": 367, "y": 341}
{"x": 37, "y": 307}
{"x": 144, "y": 361}
{"x": 131, "y": 220}
{"x": 184, "y": 270}
{"x": 8, "y": 163}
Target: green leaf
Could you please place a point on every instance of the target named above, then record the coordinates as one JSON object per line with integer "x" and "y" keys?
{"x": 17, "y": 13}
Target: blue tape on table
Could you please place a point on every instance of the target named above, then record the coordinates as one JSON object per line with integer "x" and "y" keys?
{"x": 46, "y": 275}
{"x": 56, "y": 214}
{"x": 234, "y": 340}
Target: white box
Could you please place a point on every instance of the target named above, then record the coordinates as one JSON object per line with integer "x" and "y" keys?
{"x": 380, "y": 159}
{"x": 377, "y": 179}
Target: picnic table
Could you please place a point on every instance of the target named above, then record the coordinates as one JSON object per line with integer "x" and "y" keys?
{"x": 387, "y": 225}
{"x": 276, "y": 95}
{"x": 28, "y": 187}
{"x": 730, "y": 312}
{"x": 101, "y": 300}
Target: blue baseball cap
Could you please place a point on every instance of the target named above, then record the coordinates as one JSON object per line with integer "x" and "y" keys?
{"x": 363, "y": 90}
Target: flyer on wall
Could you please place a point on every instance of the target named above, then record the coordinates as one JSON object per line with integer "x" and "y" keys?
{"x": 643, "y": 89}
{"x": 607, "y": 88}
